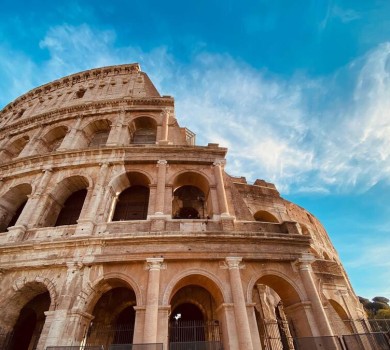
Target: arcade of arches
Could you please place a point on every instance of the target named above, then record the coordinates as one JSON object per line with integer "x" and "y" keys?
{"x": 198, "y": 311}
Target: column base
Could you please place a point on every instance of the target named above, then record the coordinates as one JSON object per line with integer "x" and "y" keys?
{"x": 85, "y": 228}
{"x": 16, "y": 233}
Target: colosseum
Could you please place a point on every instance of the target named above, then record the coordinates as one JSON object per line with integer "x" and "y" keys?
{"x": 119, "y": 232}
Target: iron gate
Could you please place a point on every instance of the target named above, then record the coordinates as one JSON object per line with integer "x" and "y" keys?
{"x": 195, "y": 335}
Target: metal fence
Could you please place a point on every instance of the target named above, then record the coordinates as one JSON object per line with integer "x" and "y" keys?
{"x": 363, "y": 341}
{"x": 111, "y": 347}
{"x": 158, "y": 346}
{"x": 78, "y": 347}
{"x": 318, "y": 343}
{"x": 200, "y": 345}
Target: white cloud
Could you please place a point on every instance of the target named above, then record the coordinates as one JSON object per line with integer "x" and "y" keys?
{"x": 303, "y": 134}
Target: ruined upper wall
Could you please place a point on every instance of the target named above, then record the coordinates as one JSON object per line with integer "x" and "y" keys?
{"x": 107, "y": 83}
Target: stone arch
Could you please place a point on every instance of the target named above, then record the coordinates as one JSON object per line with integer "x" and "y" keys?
{"x": 88, "y": 297}
{"x": 126, "y": 179}
{"x": 24, "y": 291}
{"x": 299, "y": 295}
{"x": 277, "y": 301}
{"x": 21, "y": 282}
{"x": 340, "y": 319}
{"x": 112, "y": 304}
{"x": 56, "y": 201}
{"x": 12, "y": 203}
{"x": 95, "y": 134}
{"x": 191, "y": 196}
{"x": 130, "y": 194}
{"x": 143, "y": 130}
{"x": 53, "y": 138}
{"x": 194, "y": 276}
{"x": 14, "y": 148}
{"x": 265, "y": 216}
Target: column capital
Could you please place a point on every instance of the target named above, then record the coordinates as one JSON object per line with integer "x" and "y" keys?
{"x": 47, "y": 170}
{"x": 232, "y": 262}
{"x": 162, "y": 162}
{"x": 153, "y": 264}
{"x": 219, "y": 162}
{"x": 305, "y": 261}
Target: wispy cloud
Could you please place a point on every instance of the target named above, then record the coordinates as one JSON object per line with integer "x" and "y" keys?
{"x": 309, "y": 135}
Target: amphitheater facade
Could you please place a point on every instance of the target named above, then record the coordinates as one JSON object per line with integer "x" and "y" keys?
{"x": 117, "y": 229}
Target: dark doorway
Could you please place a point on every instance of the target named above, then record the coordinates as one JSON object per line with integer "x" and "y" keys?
{"x": 71, "y": 210}
{"x": 132, "y": 204}
{"x": 17, "y": 214}
{"x": 29, "y": 325}
{"x": 187, "y": 324}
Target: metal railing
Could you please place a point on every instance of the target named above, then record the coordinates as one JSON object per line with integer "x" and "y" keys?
{"x": 200, "y": 345}
{"x": 362, "y": 341}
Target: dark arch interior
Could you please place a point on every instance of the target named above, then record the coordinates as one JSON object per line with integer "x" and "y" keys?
{"x": 187, "y": 324}
{"x": 132, "y": 204}
{"x": 125, "y": 326}
{"x": 114, "y": 318}
{"x": 99, "y": 138}
{"x": 189, "y": 202}
{"x": 17, "y": 214}
{"x": 29, "y": 325}
{"x": 71, "y": 209}
{"x": 144, "y": 131}
{"x": 187, "y": 312}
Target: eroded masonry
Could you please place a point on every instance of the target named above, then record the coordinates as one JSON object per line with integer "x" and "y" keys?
{"x": 117, "y": 229}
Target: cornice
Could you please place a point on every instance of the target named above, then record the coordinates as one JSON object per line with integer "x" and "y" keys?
{"x": 131, "y": 154}
{"x": 93, "y": 107}
{"x": 76, "y": 78}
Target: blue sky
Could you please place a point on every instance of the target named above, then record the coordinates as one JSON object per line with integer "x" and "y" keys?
{"x": 298, "y": 90}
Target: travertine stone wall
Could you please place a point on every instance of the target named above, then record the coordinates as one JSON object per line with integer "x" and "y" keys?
{"x": 230, "y": 249}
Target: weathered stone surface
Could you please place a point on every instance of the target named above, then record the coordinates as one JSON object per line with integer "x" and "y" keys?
{"x": 109, "y": 212}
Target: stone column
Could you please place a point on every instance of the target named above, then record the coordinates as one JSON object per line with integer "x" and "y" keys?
{"x": 151, "y": 312}
{"x": 218, "y": 173}
{"x": 33, "y": 203}
{"x": 71, "y": 137}
{"x": 240, "y": 312}
{"x": 306, "y": 274}
{"x": 115, "y": 136}
{"x": 27, "y": 218}
{"x": 160, "y": 195}
{"x": 229, "y": 333}
{"x": 165, "y": 128}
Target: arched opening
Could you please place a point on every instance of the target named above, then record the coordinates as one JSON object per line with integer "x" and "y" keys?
{"x": 132, "y": 204}
{"x": 340, "y": 321}
{"x": 15, "y": 148}
{"x": 54, "y": 137}
{"x": 30, "y": 322}
{"x": 187, "y": 324}
{"x": 278, "y": 312}
{"x": 265, "y": 216}
{"x": 194, "y": 318}
{"x": 143, "y": 130}
{"x": 189, "y": 203}
{"x": 95, "y": 134}
{"x": 64, "y": 205}
{"x": 114, "y": 316}
{"x": 191, "y": 197}
{"x": 71, "y": 209}
{"x": 12, "y": 204}
{"x": 133, "y": 200}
